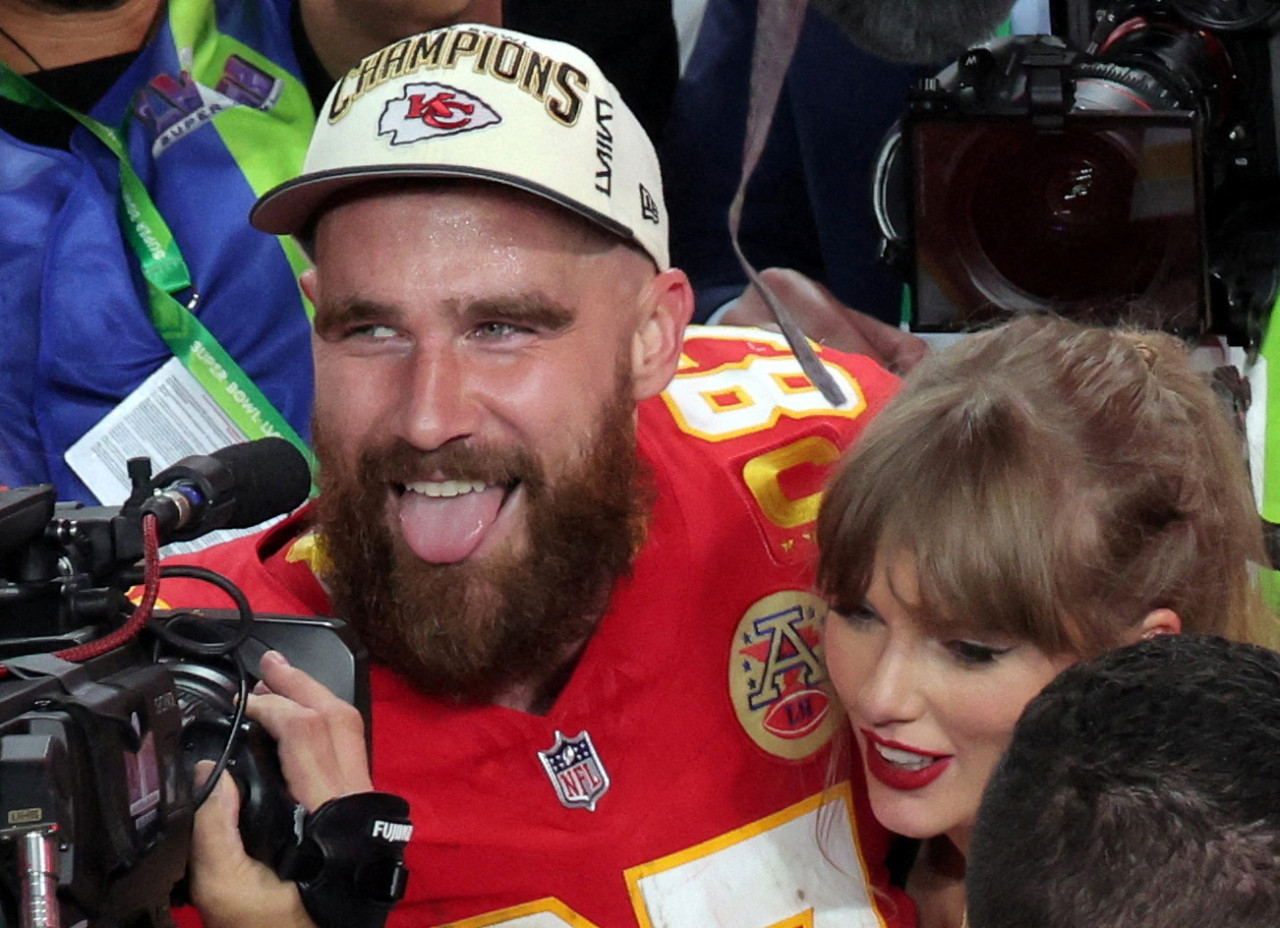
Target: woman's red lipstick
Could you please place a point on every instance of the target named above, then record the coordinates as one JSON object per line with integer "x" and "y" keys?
{"x": 895, "y": 776}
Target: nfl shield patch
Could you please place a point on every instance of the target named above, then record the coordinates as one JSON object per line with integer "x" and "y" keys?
{"x": 575, "y": 771}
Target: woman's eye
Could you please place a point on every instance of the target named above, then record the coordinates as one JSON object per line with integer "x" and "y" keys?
{"x": 861, "y": 615}
{"x": 973, "y": 654}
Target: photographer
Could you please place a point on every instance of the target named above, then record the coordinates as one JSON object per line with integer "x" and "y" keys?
{"x": 582, "y": 576}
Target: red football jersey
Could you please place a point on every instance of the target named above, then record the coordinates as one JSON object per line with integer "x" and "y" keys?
{"x": 681, "y": 777}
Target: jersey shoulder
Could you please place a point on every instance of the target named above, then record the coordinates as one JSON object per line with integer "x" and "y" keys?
{"x": 274, "y": 569}
{"x": 735, "y": 382}
{"x": 741, "y": 432}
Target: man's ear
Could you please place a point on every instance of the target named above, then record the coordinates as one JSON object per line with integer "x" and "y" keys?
{"x": 1159, "y": 622}
{"x": 666, "y": 306}
{"x": 310, "y": 288}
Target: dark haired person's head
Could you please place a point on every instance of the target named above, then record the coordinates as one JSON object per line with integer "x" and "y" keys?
{"x": 1140, "y": 789}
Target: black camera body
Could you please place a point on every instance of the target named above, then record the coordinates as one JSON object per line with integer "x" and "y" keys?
{"x": 97, "y": 753}
{"x": 101, "y": 756}
{"x": 86, "y": 759}
{"x": 1123, "y": 169}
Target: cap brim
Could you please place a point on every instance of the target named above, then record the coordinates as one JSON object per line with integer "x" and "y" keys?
{"x": 286, "y": 209}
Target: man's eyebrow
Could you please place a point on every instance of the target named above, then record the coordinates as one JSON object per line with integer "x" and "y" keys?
{"x": 531, "y": 310}
{"x": 353, "y": 312}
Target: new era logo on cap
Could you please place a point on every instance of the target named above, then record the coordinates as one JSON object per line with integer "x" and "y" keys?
{"x": 423, "y": 111}
{"x": 649, "y": 206}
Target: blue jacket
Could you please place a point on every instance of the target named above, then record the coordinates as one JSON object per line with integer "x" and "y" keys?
{"x": 78, "y": 336}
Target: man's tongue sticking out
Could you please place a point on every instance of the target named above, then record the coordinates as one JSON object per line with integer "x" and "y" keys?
{"x": 443, "y": 522}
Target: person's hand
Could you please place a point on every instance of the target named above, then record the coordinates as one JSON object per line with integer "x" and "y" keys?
{"x": 826, "y": 320}
{"x": 228, "y": 887}
{"x": 320, "y": 741}
{"x": 320, "y": 738}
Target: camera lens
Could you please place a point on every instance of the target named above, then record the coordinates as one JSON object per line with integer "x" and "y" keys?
{"x": 1043, "y": 208}
{"x": 1150, "y": 62}
{"x": 1013, "y": 217}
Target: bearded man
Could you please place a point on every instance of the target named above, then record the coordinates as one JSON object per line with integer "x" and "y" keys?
{"x": 574, "y": 538}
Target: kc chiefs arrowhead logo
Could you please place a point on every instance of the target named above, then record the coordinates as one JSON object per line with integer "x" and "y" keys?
{"x": 423, "y": 111}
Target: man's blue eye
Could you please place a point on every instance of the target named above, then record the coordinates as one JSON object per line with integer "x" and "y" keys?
{"x": 372, "y": 330}
{"x": 497, "y": 329}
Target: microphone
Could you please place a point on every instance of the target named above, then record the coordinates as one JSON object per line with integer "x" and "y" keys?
{"x": 235, "y": 487}
{"x": 916, "y": 31}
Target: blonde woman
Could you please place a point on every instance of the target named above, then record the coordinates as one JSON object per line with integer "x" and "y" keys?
{"x": 1036, "y": 494}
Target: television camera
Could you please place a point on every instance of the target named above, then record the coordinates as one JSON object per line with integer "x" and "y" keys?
{"x": 106, "y": 706}
{"x": 1123, "y": 168}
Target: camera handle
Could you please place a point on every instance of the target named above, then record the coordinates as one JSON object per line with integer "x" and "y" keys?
{"x": 34, "y": 792}
{"x": 38, "y": 863}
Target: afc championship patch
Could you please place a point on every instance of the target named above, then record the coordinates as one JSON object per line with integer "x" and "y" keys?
{"x": 777, "y": 680}
{"x": 575, "y": 771}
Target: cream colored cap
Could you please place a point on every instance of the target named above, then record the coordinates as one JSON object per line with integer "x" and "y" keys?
{"x": 483, "y": 103}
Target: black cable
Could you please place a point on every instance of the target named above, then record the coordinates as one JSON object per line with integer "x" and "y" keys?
{"x": 243, "y": 627}
{"x": 237, "y": 721}
{"x": 166, "y": 629}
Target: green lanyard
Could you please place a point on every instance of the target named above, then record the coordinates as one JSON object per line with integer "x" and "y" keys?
{"x": 167, "y": 278}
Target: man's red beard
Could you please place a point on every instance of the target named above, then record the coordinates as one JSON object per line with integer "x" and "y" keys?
{"x": 470, "y": 630}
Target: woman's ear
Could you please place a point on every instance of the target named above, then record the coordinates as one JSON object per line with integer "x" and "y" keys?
{"x": 666, "y": 308}
{"x": 1160, "y": 621}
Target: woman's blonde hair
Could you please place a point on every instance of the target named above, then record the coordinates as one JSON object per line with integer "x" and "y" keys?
{"x": 1053, "y": 482}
